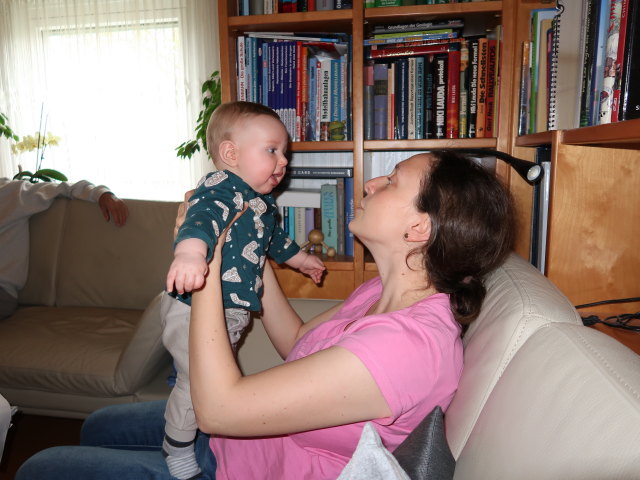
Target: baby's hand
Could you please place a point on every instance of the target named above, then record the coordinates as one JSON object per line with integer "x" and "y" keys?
{"x": 189, "y": 266}
{"x": 313, "y": 267}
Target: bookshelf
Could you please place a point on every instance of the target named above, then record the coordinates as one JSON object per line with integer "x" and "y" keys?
{"x": 345, "y": 273}
{"x": 592, "y": 252}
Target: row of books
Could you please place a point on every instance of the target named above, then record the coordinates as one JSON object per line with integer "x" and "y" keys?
{"x": 581, "y": 65}
{"x": 262, "y": 7}
{"x": 305, "y": 79}
{"x": 446, "y": 88}
{"x": 329, "y": 209}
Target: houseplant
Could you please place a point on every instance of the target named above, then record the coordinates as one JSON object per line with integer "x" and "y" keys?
{"x": 211, "y": 99}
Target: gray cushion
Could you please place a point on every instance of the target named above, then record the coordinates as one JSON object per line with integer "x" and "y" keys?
{"x": 425, "y": 453}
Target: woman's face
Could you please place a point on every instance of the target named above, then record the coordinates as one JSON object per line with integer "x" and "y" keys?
{"x": 388, "y": 210}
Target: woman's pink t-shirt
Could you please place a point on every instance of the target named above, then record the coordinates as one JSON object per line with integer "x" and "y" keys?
{"x": 415, "y": 357}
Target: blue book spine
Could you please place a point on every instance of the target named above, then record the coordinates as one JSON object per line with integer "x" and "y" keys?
{"x": 311, "y": 108}
{"x": 349, "y": 209}
{"x": 292, "y": 222}
{"x": 278, "y": 81}
{"x": 259, "y": 59}
{"x": 285, "y": 221}
{"x": 329, "y": 214}
{"x": 266, "y": 74}
{"x": 249, "y": 58}
{"x": 335, "y": 90}
{"x": 292, "y": 90}
{"x": 419, "y": 98}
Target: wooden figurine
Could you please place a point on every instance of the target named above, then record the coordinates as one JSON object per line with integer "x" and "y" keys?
{"x": 316, "y": 242}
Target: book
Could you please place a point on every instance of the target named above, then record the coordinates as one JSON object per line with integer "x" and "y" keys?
{"x": 481, "y": 102}
{"x": 324, "y": 87}
{"x": 463, "y": 125}
{"x": 291, "y": 197}
{"x": 417, "y": 26}
{"x": 428, "y": 96}
{"x": 319, "y": 172}
{"x": 474, "y": 65}
{"x": 410, "y": 51}
{"x": 300, "y": 225}
{"x": 413, "y": 33}
{"x": 329, "y": 214}
{"x": 629, "y": 92}
{"x": 391, "y": 102}
{"x": 367, "y": 102}
{"x": 453, "y": 93}
{"x": 420, "y": 97}
{"x": 402, "y": 98}
{"x": 410, "y": 38}
{"x": 599, "y": 59}
{"x": 380, "y": 79}
{"x": 523, "y": 94}
{"x": 241, "y": 67}
{"x": 440, "y": 94}
{"x": 610, "y": 57}
{"x": 537, "y": 37}
{"x": 349, "y": 212}
{"x": 411, "y": 98}
{"x": 542, "y": 92}
{"x": 565, "y": 84}
{"x": 340, "y": 211}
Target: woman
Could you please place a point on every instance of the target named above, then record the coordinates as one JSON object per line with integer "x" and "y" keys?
{"x": 389, "y": 354}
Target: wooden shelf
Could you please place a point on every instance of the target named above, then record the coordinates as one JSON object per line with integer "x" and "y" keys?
{"x": 430, "y": 144}
{"x": 427, "y": 12}
{"x": 321, "y": 146}
{"x": 325, "y": 21}
{"x": 619, "y": 135}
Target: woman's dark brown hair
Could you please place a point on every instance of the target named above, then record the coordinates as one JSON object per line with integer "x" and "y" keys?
{"x": 472, "y": 229}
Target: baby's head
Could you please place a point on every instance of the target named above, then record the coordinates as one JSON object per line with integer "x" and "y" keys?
{"x": 251, "y": 141}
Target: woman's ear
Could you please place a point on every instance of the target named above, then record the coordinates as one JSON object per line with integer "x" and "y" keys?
{"x": 228, "y": 153}
{"x": 420, "y": 231}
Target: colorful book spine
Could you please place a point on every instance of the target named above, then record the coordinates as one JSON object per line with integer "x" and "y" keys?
{"x": 611, "y": 55}
{"x": 409, "y": 51}
{"x": 312, "y": 111}
{"x": 463, "y": 123}
{"x": 523, "y": 95}
{"x": 629, "y": 92}
{"x": 410, "y": 38}
{"x": 440, "y": 95}
{"x": 411, "y": 102}
{"x": 241, "y": 69}
{"x": 340, "y": 217}
{"x": 415, "y": 33}
{"x": 492, "y": 65}
{"x": 324, "y": 83}
{"x": 619, "y": 64}
{"x": 329, "y": 213}
{"x": 402, "y": 98}
{"x": 598, "y": 65}
{"x": 349, "y": 212}
{"x": 591, "y": 29}
{"x": 417, "y": 26}
{"x": 482, "y": 88}
{"x": 420, "y": 94}
{"x": 428, "y": 96}
{"x": 474, "y": 59}
{"x": 391, "y": 102}
{"x": 368, "y": 93}
{"x": 453, "y": 92}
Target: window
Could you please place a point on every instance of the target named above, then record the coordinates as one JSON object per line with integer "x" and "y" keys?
{"x": 112, "y": 79}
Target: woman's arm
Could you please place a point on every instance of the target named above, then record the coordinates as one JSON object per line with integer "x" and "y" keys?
{"x": 331, "y": 387}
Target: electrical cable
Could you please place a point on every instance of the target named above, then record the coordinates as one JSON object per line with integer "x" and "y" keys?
{"x": 616, "y": 321}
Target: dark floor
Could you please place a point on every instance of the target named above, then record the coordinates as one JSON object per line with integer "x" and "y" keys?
{"x": 32, "y": 433}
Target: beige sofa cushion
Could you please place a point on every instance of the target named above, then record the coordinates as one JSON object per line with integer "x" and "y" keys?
{"x": 79, "y": 350}
{"x": 78, "y": 259}
{"x": 567, "y": 407}
{"x": 519, "y": 301}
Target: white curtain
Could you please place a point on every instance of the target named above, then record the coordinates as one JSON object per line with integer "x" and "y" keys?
{"x": 117, "y": 80}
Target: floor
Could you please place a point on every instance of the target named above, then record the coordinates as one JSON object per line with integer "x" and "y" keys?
{"x": 30, "y": 434}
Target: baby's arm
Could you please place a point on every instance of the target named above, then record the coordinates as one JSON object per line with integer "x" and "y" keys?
{"x": 308, "y": 264}
{"x": 189, "y": 266}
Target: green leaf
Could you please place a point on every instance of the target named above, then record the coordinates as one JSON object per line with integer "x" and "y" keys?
{"x": 53, "y": 174}
{"x": 23, "y": 174}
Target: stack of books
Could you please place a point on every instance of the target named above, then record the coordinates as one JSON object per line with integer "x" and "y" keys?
{"x": 425, "y": 80}
{"x": 398, "y": 3}
{"x": 304, "y": 78}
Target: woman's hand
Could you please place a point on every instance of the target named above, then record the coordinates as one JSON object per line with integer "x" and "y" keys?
{"x": 113, "y": 208}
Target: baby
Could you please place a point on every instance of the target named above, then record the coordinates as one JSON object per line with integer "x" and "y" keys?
{"x": 247, "y": 142}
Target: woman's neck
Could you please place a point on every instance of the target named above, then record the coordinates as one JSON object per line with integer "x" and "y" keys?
{"x": 402, "y": 284}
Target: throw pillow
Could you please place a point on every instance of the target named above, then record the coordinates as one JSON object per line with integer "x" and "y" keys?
{"x": 425, "y": 453}
{"x": 371, "y": 460}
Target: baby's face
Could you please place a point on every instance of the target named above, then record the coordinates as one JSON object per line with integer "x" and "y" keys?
{"x": 261, "y": 143}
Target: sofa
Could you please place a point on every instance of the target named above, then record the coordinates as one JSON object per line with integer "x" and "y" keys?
{"x": 541, "y": 395}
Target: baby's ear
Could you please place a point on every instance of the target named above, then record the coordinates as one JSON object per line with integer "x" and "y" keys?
{"x": 228, "y": 153}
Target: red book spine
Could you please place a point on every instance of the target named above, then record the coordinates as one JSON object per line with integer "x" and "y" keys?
{"x": 482, "y": 89}
{"x": 304, "y": 63}
{"x": 491, "y": 87}
{"x": 453, "y": 93}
